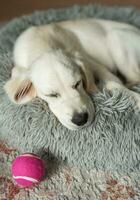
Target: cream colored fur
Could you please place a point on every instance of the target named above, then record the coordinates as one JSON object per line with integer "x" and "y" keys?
{"x": 61, "y": 63}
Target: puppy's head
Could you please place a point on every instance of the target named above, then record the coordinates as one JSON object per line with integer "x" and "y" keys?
{"x": 62, "y": 81}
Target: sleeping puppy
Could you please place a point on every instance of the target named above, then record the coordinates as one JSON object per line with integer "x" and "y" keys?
{"x": 62, "y": 62}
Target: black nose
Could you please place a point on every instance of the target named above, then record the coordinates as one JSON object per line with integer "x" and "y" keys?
{"x": 80, "y": 118}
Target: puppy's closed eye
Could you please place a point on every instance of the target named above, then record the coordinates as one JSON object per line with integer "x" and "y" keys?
{"x": 75, "y": 86}
{"x": 54, "y": 95}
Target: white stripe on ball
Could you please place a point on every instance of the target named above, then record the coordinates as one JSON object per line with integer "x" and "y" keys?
{"x": 29, "y": 155}
{"x": 26, "y": 178}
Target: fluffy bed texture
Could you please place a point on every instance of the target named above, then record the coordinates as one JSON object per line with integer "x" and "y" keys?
{"x": 112, "y": 142}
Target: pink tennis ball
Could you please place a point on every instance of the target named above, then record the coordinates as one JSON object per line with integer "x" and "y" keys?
{"x": 27, "y": 169}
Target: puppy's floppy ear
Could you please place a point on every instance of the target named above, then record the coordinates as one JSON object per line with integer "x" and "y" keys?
{"x": 88, "y": 77}
{"x": 20, "y": 89}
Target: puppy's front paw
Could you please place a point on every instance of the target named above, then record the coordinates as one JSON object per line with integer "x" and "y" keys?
{"x": 133, "y": 96}
{"x": 111, "y": 85}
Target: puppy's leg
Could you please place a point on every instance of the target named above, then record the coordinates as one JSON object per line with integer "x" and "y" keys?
{"x": 112, "y": 85}
{"x": 112, "y": 82}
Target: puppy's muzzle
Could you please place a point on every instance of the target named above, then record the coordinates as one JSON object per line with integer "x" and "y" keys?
{"x": 80, "y": 118}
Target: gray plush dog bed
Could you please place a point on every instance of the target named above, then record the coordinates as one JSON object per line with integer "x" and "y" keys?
{"x": 112, "y": 142}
